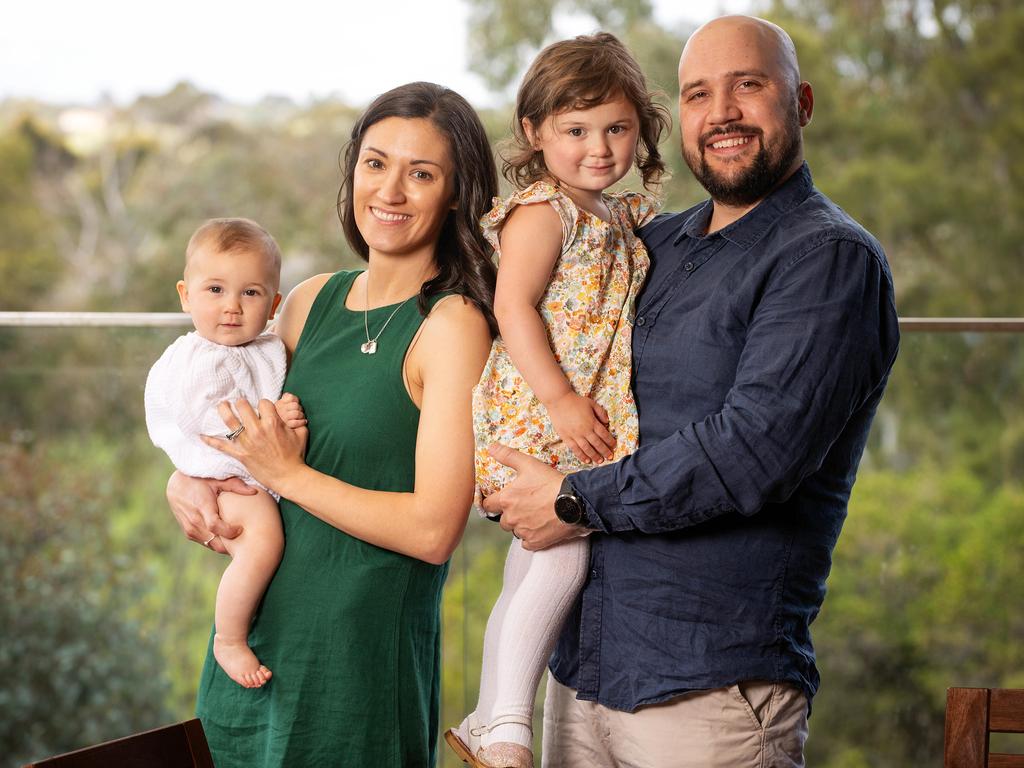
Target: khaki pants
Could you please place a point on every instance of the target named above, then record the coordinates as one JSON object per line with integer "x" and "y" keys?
{"x": 750, "y": 725}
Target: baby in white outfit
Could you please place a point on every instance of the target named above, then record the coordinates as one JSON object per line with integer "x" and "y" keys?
{"x": 230, "y": 287}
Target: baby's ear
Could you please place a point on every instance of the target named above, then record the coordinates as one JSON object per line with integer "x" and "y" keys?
{"x": 183, "y": 295}
{"x": 275, "y": 305}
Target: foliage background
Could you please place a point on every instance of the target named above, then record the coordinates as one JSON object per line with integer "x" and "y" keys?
{"x": 919, "y": 117}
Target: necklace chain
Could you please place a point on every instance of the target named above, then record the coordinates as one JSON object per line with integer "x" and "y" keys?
{"x": 370, "y": 347}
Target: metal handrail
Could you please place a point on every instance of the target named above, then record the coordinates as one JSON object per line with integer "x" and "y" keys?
{"x": 174, "y": 319}
{"x": 93, "y": 319}
{"x": 961, "y": 324}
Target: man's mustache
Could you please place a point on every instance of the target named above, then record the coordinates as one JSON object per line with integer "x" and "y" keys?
{"x": 728, "y": 130}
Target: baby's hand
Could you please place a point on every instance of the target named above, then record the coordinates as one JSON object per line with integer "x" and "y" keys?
{"x": 290, "y": 411}
{"x": 582, "y": 425}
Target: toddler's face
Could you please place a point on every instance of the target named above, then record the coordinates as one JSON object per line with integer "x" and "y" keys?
{"x": 588, "y": 150}
{"x": 230, "y": 296}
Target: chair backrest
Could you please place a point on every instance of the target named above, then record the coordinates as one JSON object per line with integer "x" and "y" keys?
{"x": 971, "y": 715}
{"x": 182, "y": 745}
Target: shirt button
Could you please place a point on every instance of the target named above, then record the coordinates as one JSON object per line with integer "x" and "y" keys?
{"x": 688, "y": 266}
{"x": 593, "y": 574}
{"x": 640, "y": 321}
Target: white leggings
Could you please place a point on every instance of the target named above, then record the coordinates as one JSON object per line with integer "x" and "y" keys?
{"x": 538, "y": 590}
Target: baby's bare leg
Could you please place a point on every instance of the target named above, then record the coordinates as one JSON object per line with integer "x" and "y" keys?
{"x": 255, "y": 554}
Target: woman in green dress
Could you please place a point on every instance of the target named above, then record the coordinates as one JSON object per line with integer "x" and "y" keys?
{"x": 384, "y": 362}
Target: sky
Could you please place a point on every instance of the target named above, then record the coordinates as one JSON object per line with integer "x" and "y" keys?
{"x": 74, "y": 52}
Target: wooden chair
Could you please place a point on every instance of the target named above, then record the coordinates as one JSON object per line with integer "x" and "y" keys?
{"x": 971, "y": 715}
{"x": 182, "y": 745}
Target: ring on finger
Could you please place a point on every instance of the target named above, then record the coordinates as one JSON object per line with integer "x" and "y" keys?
{"x": 207, "y": 542}
{"x": 235, "y": 432}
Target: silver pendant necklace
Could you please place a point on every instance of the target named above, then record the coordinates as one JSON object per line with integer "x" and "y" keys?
{"x": 370, "y": 346}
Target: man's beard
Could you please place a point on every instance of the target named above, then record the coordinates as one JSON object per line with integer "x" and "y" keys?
{"x": 755, "y": 181}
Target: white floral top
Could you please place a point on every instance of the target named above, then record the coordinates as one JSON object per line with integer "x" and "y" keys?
{"x": 587, "y": 310}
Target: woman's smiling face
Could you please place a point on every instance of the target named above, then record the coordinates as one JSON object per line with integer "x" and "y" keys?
{"x": 402, "y": 186}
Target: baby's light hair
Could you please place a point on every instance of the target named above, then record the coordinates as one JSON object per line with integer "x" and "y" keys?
{"x": 234, "y": 235}
{"x": 579, "y": 74}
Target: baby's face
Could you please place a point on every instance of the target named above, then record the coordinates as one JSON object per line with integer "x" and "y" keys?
{"x": 230, "y": 296}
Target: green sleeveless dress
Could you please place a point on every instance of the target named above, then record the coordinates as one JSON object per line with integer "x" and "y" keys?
{"x": 350, "y": 631}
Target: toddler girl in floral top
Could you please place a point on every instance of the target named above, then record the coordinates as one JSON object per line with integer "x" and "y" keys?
{"x": 556, "y": 385}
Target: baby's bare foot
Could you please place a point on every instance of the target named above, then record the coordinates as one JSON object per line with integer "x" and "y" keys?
{"x": 240, "y": 663}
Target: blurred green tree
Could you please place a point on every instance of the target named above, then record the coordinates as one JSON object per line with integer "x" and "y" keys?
{"x": 29, "y": 261}
{"x": 917, "y": 114}
{"x": 77, "y": 669}
{"x": 503, "y": 34}
{"x": 924, "y": 595}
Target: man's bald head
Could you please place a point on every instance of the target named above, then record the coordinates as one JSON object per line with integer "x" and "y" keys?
{"x": 727, "y": 32}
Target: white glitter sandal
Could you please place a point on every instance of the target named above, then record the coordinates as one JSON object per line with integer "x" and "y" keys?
{"x": 465, "y": 741}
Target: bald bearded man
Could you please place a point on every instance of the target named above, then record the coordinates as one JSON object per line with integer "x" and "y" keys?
{"x": 762, "y": 344}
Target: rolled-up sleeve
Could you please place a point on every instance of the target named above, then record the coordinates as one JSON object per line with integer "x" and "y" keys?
{"x": 820, "y": 339}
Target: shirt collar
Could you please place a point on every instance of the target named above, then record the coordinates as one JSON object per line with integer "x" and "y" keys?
{"x": 749, "y": 228}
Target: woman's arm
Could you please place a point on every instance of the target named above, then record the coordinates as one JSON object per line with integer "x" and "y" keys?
{"x": 531, "y": 242}
{"x": 443, "y": 367}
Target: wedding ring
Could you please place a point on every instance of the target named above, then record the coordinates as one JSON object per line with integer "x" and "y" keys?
{"x": 207, "y": 542}
{"x": 235, "y": 432}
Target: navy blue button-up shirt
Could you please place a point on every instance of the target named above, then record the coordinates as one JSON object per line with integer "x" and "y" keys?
{"x": 760, "y": 353}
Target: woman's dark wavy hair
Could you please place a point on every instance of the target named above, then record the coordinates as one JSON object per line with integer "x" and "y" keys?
{"x": 581, "y": 73}
{"x": 465, "y": 261}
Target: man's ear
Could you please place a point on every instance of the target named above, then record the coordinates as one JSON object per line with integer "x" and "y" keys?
{"x": 805, "y": 102}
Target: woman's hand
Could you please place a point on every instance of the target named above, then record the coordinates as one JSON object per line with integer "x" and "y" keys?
{"x": 582, "y": 425}
{"x": 193, "y": 501}
{"x": 268, "y": 448}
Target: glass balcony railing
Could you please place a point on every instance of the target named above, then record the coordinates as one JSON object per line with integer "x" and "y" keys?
{"x": 105, "y": 609}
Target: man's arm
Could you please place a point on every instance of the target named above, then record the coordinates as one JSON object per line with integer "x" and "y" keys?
{"x": 821, "y": 341}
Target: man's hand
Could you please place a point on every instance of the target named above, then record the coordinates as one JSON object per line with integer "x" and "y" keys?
{"x": 527, "y": 504}
{"x": 193, "y": 501}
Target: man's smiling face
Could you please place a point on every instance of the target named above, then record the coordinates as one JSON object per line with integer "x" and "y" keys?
{"x": 741, "y": 110}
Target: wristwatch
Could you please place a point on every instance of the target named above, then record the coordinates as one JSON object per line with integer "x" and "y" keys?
{"x": 568, "y": 506}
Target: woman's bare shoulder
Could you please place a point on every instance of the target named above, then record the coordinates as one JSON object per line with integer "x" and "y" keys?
{"x": 310, "y": 287}
{"x": 295, "y": 309}
{"x": 455, "y": 333}
{"x": 457, "y": 315}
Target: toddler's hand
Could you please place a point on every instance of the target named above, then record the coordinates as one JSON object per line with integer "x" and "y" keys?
{"x": 582, "y": 425}
{"x": 290, "y": 411}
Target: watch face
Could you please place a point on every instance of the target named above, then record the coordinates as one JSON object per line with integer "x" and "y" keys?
{"x": 569, "y": 509}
